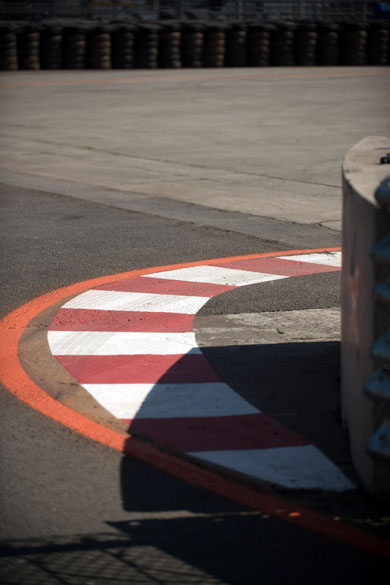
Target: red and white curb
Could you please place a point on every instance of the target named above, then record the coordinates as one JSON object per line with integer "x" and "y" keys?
{"x": 130, "y": 344}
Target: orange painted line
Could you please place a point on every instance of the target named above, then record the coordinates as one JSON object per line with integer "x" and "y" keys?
{"x": 272, "y": 75}
{"x": 15, "y": 379}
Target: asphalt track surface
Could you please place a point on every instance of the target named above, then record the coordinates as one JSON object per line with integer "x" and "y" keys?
{"x": 76, "y": 511}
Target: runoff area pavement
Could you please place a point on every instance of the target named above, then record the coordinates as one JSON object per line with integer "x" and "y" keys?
{"x": 103, "y": 173}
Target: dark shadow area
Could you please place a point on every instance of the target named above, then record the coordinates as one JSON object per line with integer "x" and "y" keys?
{"x": 234, "y": 545}
{"x": 222, "y": 540}
{"x": 219, "y": 548}
{"x": 297, "y": 384}
{"x": 172, "y": 532}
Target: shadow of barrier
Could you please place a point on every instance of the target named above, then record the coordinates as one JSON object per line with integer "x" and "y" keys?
{"x": 173, "y": 531}
{"x": 295, "y": 395}
{"x": 213, "y": 547}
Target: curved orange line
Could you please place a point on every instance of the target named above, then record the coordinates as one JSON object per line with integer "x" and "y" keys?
{"x": 15, "y": 379}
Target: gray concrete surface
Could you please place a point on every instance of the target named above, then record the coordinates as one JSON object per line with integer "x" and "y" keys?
{"x": 267, "y": 143}
{"x": 267, "y": 328}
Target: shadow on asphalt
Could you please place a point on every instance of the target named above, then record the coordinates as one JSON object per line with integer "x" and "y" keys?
{"x": 216, "y": 548}
{"x": 178, "y": 533}
{"x": 296, "y": 384}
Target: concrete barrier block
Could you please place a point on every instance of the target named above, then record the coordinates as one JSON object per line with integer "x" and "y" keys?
{"x": 364, "y": 321}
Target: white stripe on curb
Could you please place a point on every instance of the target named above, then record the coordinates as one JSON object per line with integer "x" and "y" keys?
{"x": 121, "y": 343}
{"x": 300, "y": 467}
{"x": 129, "y": 401}
{"x": 328, "y": 259}
{"x": 216, "y": 275}
{"x": 106, "y": 300}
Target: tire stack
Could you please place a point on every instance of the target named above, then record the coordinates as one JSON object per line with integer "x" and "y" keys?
{"x": 146, "y": 46}
{"x": 214, "y": 46}
{"x": 99, "y": 48}
{"x": 75, "y": 47}
{"x": 28, "y": 48}
{"x": 354, "y": 44}
{"x": 259, "y": 45}
{"x": 122, "y": 39}
{"x": 192, "y": 41}
{"x": 378, "y": 46}
{"x": 328, "y": 53}
{"x": 8, "y": 49}
{"x": 282, "y": 50}
{"x": 306, "y": 38}
{"x": 51, "y": 47}
{"x": 170, "y": 46}
{"x": 236, "y": 45}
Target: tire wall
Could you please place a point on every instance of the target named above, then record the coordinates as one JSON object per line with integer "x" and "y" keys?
{"x": 84, "y": 45}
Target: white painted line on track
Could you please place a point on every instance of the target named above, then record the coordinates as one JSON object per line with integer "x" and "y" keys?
{"x": 130, "y": 401}
{"x": 217, "y": 275}
{"x": 129, "y": 301}
{"x": 121, "y": 343}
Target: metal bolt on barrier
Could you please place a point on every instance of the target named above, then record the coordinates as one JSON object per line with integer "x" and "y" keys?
{"x": 380, "y": 350}
{"x": 378, "y": 386}
{"x": 382, "y": 194}
{"x": 379, "y": 444}
{"x": 382, "y": 292}
{"x": 381, "y": 251}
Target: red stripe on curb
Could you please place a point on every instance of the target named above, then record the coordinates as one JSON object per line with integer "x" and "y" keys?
{"x": 100, "y": 320}
{"x": 165, "y": 286}
{"x": 139, "y": 369}
{"x": 279, "y": 266}
{"x": 216, "y": 433}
